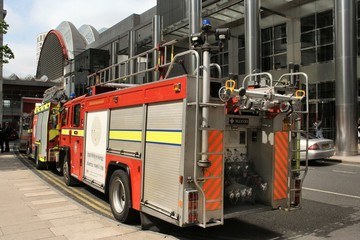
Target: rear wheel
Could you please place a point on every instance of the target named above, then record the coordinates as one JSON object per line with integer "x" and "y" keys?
{"x": 28, "y": 149}
{"x": 39, "y": 165}
{"x": 120, "y": 198}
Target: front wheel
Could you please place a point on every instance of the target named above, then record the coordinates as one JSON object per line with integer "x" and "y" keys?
{"x": 120, "y": 199}
{"x": 68, "y": 179}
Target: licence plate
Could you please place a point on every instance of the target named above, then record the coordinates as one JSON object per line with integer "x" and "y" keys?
{"x": 326, "y": 146}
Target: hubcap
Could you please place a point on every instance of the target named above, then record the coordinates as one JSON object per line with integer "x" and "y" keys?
{"x": 65, "y": 171}
{"x": 119, "y": 196}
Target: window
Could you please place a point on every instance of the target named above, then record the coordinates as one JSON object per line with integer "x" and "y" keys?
{"x": 221, "y": 58}
{"x": 326, "y": 90}
{"x": 63, "y": 117}
{"x": 274, "y": 47}
{"x": 241, "y": 54}
{"x": 6, "y": 103}
{"x": 317, "y": 38}
{"x": 76, "y": 119}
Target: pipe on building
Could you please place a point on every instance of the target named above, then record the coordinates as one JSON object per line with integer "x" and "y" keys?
{"x": 252, "y": 36}
{"x": 346, "y": 89}
{"x": 157, "y": 37}
{"x": 195, "y": 27}
{"x": 132, "y": 45}
{"x": 113, "y": 55}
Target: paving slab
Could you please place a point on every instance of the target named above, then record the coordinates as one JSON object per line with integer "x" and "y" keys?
{"x": 30, "y": 209}
{"x": 26, "y": 227}
{"x": 32, "y": 235}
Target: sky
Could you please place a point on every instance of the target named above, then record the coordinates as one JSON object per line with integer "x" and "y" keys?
{"x": 28, "y": 18}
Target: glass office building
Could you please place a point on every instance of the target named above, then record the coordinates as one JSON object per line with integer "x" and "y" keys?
{"x": 296, "y": 34}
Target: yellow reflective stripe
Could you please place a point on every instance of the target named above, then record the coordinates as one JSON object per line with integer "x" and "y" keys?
{"x": 65, "y": 131}
{"x": 37, "y": 109}
{"x": 125, "y": 135}
{"x": 42, "y": 108}
{"x": 74, "y": 132}
{"x": 164, "y": 137}
{"x": 78, "y": 133}
{"x": 53, "y": 134}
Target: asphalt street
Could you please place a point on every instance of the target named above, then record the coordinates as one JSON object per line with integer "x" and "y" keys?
{"x": 330, "y": 208}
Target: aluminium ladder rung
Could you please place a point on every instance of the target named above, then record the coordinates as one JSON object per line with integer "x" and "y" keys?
{"x": 207, "y": 104}
{"x": 210, "y": 153}
{"x": 298, "y": 170}
{"x": 304, "y": 150}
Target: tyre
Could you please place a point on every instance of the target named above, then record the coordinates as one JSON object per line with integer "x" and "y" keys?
{"x": 39, "y": 165}
{"x": 120, "y": 198}
{"x": 68, "y": 179}
{"x": 60, "y": 163}
{"x": 28, "y": 150}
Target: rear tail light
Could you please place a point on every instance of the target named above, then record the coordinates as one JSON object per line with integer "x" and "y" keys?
{"x": 191, "y": 206}
{"x": 314, "y": 147}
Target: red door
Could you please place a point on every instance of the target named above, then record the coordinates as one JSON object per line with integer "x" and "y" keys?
{"x": 77, "y": 141}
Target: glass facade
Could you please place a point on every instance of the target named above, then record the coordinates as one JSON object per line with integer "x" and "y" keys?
{"x": 322, "y": 107}
{"x": 317, "y": 38}
{"x": 221, "y": 58}
{"x": 274, "y": 47}
{"x": 241, "y": 54}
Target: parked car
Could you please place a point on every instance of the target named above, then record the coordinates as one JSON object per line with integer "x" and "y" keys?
{"x": 318, "y": 148}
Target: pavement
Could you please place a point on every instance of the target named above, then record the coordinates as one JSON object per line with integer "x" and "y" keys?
{"x": 347, "y": 159}
{"x": 32, "y": 209}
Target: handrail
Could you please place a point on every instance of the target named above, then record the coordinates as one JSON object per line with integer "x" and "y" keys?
{"x": 218, "y": 67}
{"x": 120, "y": 71}
{"x": 256, "y": 75}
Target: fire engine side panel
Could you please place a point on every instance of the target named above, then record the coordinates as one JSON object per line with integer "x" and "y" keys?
{"x": 38, "y": 131}
{"x": 163, "y": 156}
{"x": 44, "y": 134}
{"x": 125, "y": 130}
{"x": 95, "y": 146}
{"x": 33, "y": 135}
{"x": 262, "y": 150}
{"x": 213, "y": 186}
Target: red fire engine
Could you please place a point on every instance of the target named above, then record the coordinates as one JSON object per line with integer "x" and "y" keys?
{"x": 26, "y": 119}
{"x": 171, "y": 150}
{"x": 46, "y": 129}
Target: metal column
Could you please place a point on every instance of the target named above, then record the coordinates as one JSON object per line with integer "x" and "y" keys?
{"x": 252, "y": 36}
{"x": 195, "y": 27}
{"x": 132, "y": 45}
{"x": 157, "y": 37}
{"x": 346, "y": 89}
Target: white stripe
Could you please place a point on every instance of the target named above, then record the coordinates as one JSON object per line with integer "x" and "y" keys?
{"x": 338, "y": 171}
{"x": 334, "y": 193}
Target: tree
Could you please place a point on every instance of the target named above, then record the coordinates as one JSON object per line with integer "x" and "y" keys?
{"x": 5, "y": 51}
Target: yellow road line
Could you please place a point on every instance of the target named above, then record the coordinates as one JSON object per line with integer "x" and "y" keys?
{"x": 83, "y": 197}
